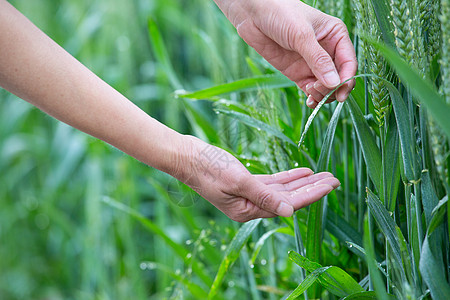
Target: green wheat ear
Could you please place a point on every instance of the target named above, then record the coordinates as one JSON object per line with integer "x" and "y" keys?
{"x": 375, "y": 62}
{"x": 402, "y": 21}
{"x": 437, "y": 137}
{"x": 445, "y": 61}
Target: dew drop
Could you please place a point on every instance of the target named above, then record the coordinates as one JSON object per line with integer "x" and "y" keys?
{"x": 252, "y": 266}
{"x": 296, "y": 164}
{"x": 247, "y": 164}
{"x": 143, "y": 266}
{"x": 263, "y": 262}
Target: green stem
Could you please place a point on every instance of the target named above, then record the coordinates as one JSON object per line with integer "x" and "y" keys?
{"x": 418, "y": 194}
{"x": 385, "y": 196}
{"x": 346, "y": 177}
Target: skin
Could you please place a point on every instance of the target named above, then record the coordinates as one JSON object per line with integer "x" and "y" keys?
{"x": 36, "y": 69}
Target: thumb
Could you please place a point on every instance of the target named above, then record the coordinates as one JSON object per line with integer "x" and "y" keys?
{"x": 265, "y": 198}
{"x": 319, "y": 61}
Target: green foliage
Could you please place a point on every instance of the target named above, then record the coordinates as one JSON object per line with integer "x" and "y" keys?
{"x": 91, "y": 223}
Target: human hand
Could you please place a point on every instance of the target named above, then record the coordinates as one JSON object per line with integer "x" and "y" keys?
{"x": 311, "y": 48}
{"x": 222, "y": 180}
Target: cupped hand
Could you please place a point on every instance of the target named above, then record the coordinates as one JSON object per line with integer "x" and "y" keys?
{"x": 222, "y": 180}
{"x": 311, "y": 48}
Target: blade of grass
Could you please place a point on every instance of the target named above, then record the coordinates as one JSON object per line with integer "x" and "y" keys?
{"x": 306, "y": 283}
{"x": 232, "y": 254}
{"x": 242, "y": 85}
{"x": 432, "y": 272}
{"x": 262, "y": 240}
{"x": 161, "y": 54}
{"x": 388, "y": 227}
{"x": 382, "y": 12}
{"x": 315, "y": 222}
{"x": 369, "y": 148}
{"x": 377, "y": 280}
{"x": 259, "y": 125}
{"x": 334, "y": 279}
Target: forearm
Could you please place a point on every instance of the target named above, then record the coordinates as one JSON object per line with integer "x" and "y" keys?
{"x": 39, "y": 71}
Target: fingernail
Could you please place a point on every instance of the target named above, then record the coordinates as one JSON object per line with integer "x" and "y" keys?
{"x": 317, "y": 85}
{"x": 331, "y": 79}
{"x": 309, "y": 86}
{"x": 310, "y": 101}
{"x": 284, "y": 210}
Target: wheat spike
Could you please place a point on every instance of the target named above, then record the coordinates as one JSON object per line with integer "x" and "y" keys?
{"x": 376, "y": 63}
{"x": 445, "y": 61}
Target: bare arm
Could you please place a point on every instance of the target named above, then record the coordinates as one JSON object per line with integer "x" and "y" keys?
{"x": 36, "y": 69}
{"x": 39, "y": 71}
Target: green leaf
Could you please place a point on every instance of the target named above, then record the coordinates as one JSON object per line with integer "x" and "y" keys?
{"x": 369, "y": 147}
{"x": 382, "y": 12}
{"x": 315, "y": 221}
{"x": 201, "y": 123}
{"x": 438, "y": 215}
{"x": 421, "y": 88}
{"x": 242, "y": 85}
{"x": 429, "y": 197}
{"x": 392, "y": 162}
{"x": 342, "y": 230}
{"x": 389, "y": 229}
{"x": 264, "y": 237}
{"x": 259, "y": 125}
{"x": 362, "y": 296}
{"x": 334, "y": 279}
{"x": 432, "y": 272}
{"x": 407, "y": 142}
{"x": 160, "y": 51}
{"x": 324, "y": 158}
{"x": 307, "y": 282}
{"x": 375, "y": 275}
{"x": 232, "y": 254}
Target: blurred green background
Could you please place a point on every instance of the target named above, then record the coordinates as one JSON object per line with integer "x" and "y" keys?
{"x": 58, "y": 240}
{"x": 62, "y": 236}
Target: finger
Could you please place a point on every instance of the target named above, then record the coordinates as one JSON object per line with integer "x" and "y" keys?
{"x": 319, "y": 61}
{"x": 344, "y": 91}
{"x": 301, "y": 182}
{"x": 244, "y": 210}
{"x": 309, "y": 195}
{"x": 255, "y": 212}
{"x": 345, "y": 58}
{"x": 265, "y": 197}
{"x": 313, "y": 92}
{"x": 324, "y": 91}
{"x": 285, "y": 176}
{"x": 295, "y": 185}
{"x": 311, "y": 102}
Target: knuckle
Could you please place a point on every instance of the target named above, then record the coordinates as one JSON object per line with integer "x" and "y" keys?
{"x": 239, "y": 217}
{"x": 263, "y": 199}
{"x": 322, "y": 60}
